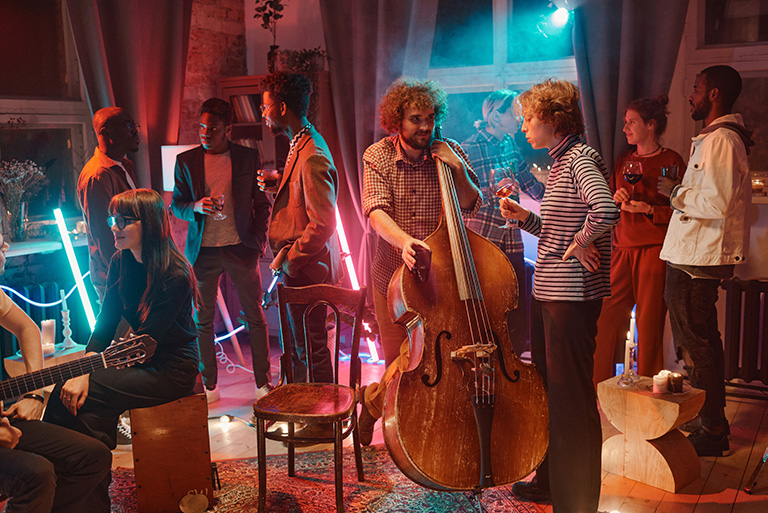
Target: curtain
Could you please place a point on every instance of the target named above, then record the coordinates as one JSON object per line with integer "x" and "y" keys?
{"x": 624, "y": 50}
{"x": 370, "y": 44}
{"x": 133, "y": 55}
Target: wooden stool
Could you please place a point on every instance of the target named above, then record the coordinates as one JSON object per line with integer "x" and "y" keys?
{"x": 171, "y": 453}
{"x": 649, "y": 448}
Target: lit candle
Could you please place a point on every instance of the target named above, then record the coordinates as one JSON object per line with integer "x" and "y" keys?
{"x": 631, "y": 336}
{"x": 48, "y": 335}
{"x": 627, "y": 355}
{"x": 63, "y": 300}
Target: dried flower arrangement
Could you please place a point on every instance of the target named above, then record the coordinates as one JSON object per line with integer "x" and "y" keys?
{"x": 19, "y": 181}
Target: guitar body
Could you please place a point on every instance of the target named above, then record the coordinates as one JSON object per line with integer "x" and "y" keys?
{"x": 429, "y": 426}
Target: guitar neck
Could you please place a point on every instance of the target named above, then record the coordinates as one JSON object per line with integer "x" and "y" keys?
{"x": 20, "y": 385}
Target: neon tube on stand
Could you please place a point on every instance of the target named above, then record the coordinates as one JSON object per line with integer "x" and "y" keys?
{"x": 353, "y": 278}
{"x": 75, "y": 268}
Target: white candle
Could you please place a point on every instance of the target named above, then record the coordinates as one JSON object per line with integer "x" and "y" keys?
{"x": 64, "y": 300}
{"x": 48, "y": 335}
{"x": 627, "y": 354}
{"x": 631, "y": 336}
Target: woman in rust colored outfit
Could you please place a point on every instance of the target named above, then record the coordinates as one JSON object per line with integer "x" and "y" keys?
{"x": 637, "y": 273}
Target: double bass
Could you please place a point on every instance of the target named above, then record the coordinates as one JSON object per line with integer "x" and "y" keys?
{"x": 467, "y": 413}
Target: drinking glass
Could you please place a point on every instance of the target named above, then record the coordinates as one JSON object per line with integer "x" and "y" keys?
{"x": 218, "y": 204}
{"x": 669, "y": 172}
{"x": 502, "y": 183}
{"x": 633, "y": 173}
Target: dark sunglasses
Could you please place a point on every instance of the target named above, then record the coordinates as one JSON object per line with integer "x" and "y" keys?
{"x": 120, "y": 220}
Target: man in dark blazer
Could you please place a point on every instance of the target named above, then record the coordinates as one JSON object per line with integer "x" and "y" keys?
{"x": 302, "y": 233}
{"x": 220, "y": 178}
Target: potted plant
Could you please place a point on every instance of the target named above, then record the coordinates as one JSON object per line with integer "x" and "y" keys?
{"x": 19, "y": 181}
{"x": 306, "y": 60}
{"x": 270, "y": 11}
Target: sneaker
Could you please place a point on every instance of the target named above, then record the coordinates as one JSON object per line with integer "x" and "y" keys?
{"x": 366, "y": 422}
{"x": 212, "y": 395}
{"x": 531, "y": 491}
{"x": 708, "y": 444}
{"x": 124, "y": 436}
{"x": 692, "y": 425}
{"x": 263, "y": 390}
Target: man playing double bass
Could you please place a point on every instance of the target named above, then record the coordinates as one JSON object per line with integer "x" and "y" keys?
{"x": 401, "y": 196}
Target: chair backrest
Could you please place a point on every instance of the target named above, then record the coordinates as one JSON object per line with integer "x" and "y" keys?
{"x": 347, "y": 307}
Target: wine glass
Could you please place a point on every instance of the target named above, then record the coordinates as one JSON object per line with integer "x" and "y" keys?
{"x": 218, "y": 204}
{"x": 633, "y": 173}
{"x": 502, "y": 183}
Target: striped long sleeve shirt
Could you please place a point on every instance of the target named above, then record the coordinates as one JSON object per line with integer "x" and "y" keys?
{"x": 577, "y": 206}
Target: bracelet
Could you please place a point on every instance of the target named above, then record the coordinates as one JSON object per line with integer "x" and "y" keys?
{"x": 36, "y": 397}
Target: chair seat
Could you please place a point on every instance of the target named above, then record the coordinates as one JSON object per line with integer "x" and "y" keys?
{"x": 306, "y": 402}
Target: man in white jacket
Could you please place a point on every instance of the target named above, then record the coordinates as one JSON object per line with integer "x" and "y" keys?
{"x": 708, "y": 235}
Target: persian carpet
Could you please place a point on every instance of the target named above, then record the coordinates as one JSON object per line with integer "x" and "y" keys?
{"x": 385, "y": 489}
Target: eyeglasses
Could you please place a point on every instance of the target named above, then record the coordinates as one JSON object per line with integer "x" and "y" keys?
{"x": 264, "y": 107}
{"x": 130, "y": 125}
{"x": 121, "y": 221}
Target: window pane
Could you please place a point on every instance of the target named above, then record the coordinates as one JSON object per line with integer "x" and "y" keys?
{"x": 32, "y": 56}
{"x": 51, "y": 149}
{"x": 534, "y": 35}
{"x": 735, "y": 21}
{"x": 463, "y": 34}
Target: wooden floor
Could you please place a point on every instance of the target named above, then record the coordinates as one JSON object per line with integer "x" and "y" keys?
{"x": 719, "y": 489}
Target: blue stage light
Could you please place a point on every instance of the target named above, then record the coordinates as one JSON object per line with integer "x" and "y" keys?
{"x": 75, "y": 268}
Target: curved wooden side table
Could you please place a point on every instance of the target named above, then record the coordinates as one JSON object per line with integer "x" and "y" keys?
{"x": 650, "y": 449}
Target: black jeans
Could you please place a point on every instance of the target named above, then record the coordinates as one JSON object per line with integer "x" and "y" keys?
{"x": 54, "y": 469}
{"x": 562, "y": 348}
{"x": 693, "y": 317}
{"x": 242, "y": 265}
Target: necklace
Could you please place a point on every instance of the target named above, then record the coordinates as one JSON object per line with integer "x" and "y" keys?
{"x": 658, "y": 147}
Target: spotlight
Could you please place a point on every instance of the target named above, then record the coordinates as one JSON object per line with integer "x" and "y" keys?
{"x": 560, "y": 17}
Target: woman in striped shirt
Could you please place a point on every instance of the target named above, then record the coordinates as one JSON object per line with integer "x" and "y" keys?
{"x": 571, "y": 279}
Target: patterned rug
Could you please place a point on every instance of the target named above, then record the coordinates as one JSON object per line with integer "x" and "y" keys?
{"x": 386, "y": 489}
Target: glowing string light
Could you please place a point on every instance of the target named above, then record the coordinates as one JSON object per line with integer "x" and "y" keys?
{"x": 75, "y": 268}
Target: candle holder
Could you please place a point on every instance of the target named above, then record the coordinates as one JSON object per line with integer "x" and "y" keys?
{"x": 66, "y": 331}
{"x": 629, "y": 377}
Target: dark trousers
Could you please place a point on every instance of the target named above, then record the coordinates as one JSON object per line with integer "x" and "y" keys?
{"x": 242, "y": 265}
{"x": 322, "y": 363}
{"x": 167, "y": 377}
{"x": 693, "y": 317}
{"x": 518, "y": 319}
{"x": 562, "y": 347}
{"x": 53, "y": 469}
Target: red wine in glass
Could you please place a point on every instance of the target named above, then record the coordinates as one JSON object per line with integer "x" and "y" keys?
{"x": 633, "y": 173}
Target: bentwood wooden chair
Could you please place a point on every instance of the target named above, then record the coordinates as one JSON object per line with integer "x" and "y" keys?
{"x": 311, "y": 402}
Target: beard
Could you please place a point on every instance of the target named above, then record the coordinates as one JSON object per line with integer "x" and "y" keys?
{"x": 700, "y": 111}
{"x": 417, "y": 141}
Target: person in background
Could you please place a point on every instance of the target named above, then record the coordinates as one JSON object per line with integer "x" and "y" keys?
{"x": 491, "y": 148}
{"x": 571, "y": 279}
{"x": 107, "y": 173}
{"x": 708, "y": 236}
{"x": 43, "y": 467}
{"x": 637, "y": 273}
{"x": 401, "y": 196}
{"x": 302, "y": 233}
{"x": 152, "y": 286}
{"x": 231, "y": 241}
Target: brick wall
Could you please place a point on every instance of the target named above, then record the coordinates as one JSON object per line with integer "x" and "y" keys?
{"x": 216, "y": 50}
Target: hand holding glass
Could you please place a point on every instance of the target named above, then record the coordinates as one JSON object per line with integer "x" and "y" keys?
{"x": 633, "y": 173}
{"x": 502, "y": 184}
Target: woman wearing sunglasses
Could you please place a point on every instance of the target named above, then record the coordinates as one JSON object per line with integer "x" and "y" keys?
{"x": 152, "y": 286}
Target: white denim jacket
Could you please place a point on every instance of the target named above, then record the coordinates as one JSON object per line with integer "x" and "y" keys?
{"x": 709, "y": 225}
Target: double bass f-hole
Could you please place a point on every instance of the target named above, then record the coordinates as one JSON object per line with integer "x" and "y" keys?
{"x": 438, "y": 361}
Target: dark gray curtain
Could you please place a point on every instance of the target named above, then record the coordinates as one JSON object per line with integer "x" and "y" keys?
{"x": 370, "y": 44}
{"x": 625, "y": 49}
{"x": 133, "y": 55}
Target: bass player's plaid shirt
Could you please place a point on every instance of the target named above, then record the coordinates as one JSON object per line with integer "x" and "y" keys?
{"x": 408, "y": 193}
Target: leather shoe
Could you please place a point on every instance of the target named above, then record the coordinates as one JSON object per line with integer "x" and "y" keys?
{"x": 531, "y": 491}
{"x": 312, "y": 431}
{"x": 366, "y": 422}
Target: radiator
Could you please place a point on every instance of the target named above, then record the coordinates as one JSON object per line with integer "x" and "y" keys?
{"x": 746, "y": 335}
